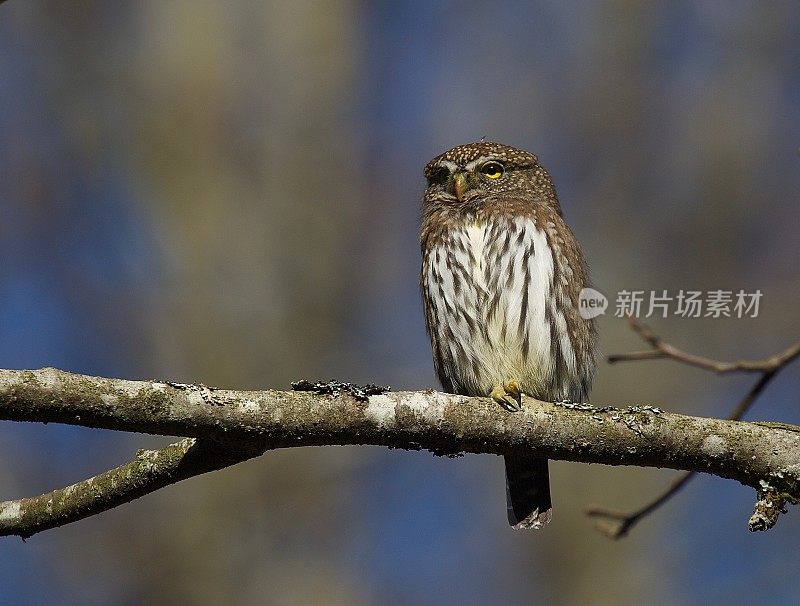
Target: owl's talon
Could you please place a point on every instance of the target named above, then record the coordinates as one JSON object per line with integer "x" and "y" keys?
{"x": 510, "y": 400}
{"x": 512, "y": 388}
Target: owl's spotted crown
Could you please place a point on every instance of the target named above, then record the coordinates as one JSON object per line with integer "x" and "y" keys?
{"x": 465, "y": 154}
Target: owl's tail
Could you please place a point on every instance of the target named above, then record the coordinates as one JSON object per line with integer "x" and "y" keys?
{"x": 528, "y": 492}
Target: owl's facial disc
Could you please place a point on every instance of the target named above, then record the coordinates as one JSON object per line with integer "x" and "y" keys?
{"x": 464, "y": 178}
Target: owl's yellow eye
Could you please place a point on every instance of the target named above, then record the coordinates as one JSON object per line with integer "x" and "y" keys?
{"x": 492, "y": 169}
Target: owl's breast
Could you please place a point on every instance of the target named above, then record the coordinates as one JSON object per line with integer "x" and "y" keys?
{"x": 487, "y": 288}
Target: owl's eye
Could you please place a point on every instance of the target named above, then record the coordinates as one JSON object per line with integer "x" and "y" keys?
{"x": 492, "y": 169}
{"x": 438, "y": 175}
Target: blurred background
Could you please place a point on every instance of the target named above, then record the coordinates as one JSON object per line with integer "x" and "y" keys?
{"x": 230, "y": 193}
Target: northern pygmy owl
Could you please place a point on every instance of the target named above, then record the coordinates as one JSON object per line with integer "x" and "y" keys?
{"x": 501, "y": 275}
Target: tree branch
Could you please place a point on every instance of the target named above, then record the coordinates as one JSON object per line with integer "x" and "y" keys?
{"x": 149, "y": 471}
{"x": 235, "y": 425}
{"x": 768, "y": 508}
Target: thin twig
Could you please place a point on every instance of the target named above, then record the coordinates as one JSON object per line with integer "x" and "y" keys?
{"x": 661, "y": 349}
{"x": 622, "y": 522}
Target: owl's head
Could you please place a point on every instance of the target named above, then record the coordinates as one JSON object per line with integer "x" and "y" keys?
{"x": 469, "y": 176}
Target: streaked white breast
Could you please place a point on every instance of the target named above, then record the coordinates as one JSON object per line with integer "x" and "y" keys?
{"x": 490, "y": 284}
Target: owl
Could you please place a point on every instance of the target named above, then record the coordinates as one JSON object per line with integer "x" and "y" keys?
{"x": 501, "y": 275}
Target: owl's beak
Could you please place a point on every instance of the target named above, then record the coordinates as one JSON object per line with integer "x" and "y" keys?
{"x": 460, "y": 185}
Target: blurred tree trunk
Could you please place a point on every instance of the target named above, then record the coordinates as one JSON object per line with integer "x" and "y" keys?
{"x": 245, "y": 133}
